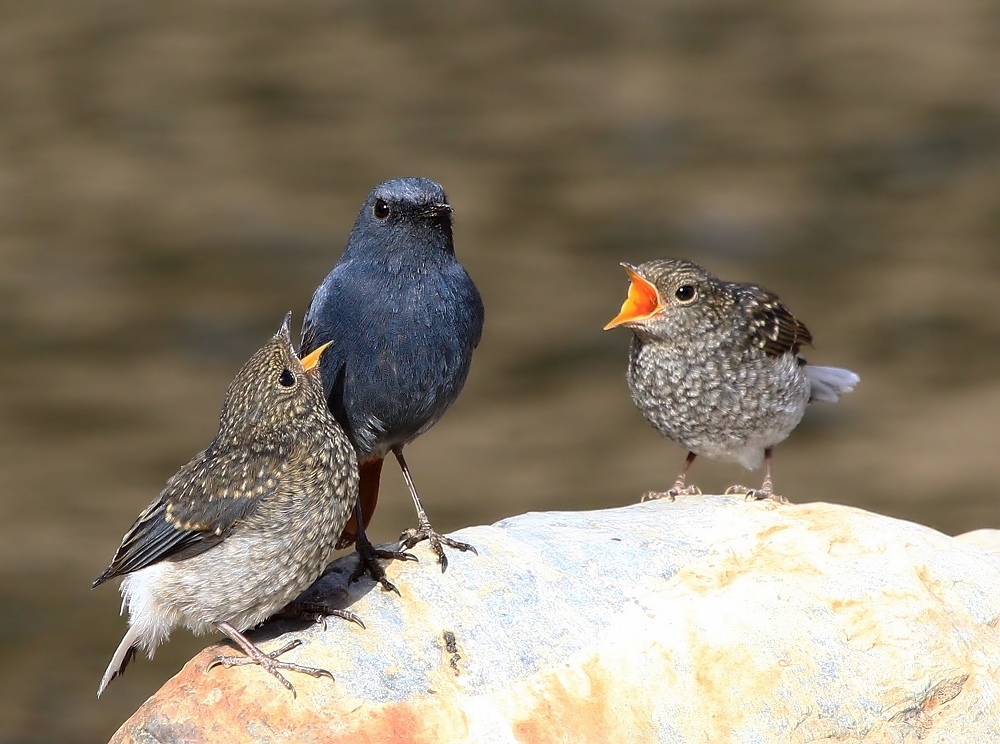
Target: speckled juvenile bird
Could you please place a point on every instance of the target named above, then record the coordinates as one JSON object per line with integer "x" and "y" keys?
{"x": 404, "y": 318}
{"x": 715, "y": 367}
{"x": 249, "y": 523}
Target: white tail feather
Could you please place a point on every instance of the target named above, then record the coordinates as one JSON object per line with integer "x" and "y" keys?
{"x": 123, "y": 655}
{"x": 829, "y": 383}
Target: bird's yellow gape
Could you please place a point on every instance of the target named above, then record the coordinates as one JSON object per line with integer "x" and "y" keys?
{"x": 643, "y": 300}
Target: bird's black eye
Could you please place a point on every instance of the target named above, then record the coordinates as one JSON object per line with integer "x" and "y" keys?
{"x": 380, "y": 209}
{"x": 287, "y": 379}
{"x": 685, "y": 293}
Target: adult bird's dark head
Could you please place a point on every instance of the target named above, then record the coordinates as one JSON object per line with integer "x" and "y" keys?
{"x": 405, "y": 214}
{"x": 274, "y": 392}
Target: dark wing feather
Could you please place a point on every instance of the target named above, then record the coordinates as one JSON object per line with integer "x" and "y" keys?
{"x": 308, "y": 341}
{"x": 195, "y": 510}
{"x": 772, "y": 327}
{"x": 319, "y": 327}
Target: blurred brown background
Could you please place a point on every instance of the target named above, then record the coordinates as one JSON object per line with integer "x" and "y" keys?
{"x": 174, "y": 178}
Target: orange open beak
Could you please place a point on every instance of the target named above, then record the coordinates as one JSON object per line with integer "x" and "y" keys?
{"x": 643, "y": 300}
{"x": 310, "y": 362}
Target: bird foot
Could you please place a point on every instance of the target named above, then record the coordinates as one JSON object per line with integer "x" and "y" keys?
{"x": 270, "y": 663}
{"x": 318, "y": 612}
{"x": 368, "y": 563}
{"x": 671, "y": 493}
{"x": 756, "y": 494}
{"x": 424, "y": 531}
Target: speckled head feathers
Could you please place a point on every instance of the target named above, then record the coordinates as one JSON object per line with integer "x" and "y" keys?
{"x": 677, "y": 301}
{"x": 671, "y": 297}
{"x": 272, "y": 390}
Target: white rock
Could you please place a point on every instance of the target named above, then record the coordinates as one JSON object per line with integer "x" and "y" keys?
{"x": 988, "y": 540}
{"x": 710, "y": 619}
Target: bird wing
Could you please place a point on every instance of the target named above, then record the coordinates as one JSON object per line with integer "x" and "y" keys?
{"x": 772, "y": 327}
{"x": 346, "y": 297}
{"x": 196, "y": 509}
{"x": 308, "y": 341}
{"x": 337, "y": 327}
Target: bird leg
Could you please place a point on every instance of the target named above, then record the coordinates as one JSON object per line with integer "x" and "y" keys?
{"x": 369, "y": 555}
{"x": 423, "y": 530}
{"x": 369, "y": 476}
{"x": 766, "y": 490}
{"x": 269, "y": 661}
{"x": 678, "y": 489}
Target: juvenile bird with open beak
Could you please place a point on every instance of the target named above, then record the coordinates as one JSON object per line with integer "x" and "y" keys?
{"x": 246, "y": 526}
{"x": 715, "y": 367}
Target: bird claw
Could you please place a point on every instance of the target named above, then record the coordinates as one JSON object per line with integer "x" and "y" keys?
{"x": 424, "y": 531}
{"x": 756, "y": 494}
{"x": 271, "y": 663}
{"x": 671, "y": 493}
{"x": 231, "y": 661}
{"x": 318, "y": 612}
{"x": 368, "y": 563}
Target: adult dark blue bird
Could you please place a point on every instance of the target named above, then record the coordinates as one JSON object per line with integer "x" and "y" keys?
{"x": 402, "y": 317}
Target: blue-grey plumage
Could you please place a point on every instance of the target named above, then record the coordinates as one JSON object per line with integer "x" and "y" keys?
{"x": 403, "y": 317}
{"x": 249, "y": 523}
{"x": 715, "y": 366}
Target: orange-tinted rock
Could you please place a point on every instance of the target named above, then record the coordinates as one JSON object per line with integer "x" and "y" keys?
{"x": 708, "y": 619}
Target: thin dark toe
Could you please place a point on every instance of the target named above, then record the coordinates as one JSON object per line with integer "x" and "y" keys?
{"x": 457, "y": 545}
{"x": 375, "y": 572}
{"x": 435, "y": 541}
{"x": 369, "y": 557}
{"x": 318, "y": 612}
{"x": 411, "y": 537}
{"x": 349, "y": 616}
{"x": 322, "y": 612}
{"x": 757, "y": 494}
{"x": 396, "y": 555}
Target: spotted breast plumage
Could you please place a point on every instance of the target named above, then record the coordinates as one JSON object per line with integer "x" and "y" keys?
{"x": 249, "y": 523}
{"x": 716, "y": 367}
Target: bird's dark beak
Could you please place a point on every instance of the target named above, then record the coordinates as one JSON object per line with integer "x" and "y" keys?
{"x": 310, "y": 362}
{"x": 642, "y": 302}
{"x": 437, "y": 211}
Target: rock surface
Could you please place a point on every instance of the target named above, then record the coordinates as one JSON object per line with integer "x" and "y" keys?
{"x": 988, "y": 540}
{"x": 709, "y": 619}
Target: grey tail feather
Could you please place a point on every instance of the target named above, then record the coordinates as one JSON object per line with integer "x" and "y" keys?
{"x": 123, "y": 655}
{"x": 102, "y": 578}
{"x": 829, "y": 383}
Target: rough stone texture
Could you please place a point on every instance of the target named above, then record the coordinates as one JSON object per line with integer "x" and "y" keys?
{"x": 988, "y": 540}
{"x": 706, "y": 620}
